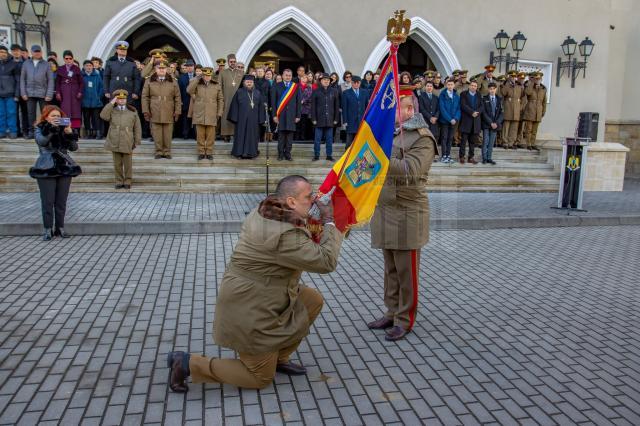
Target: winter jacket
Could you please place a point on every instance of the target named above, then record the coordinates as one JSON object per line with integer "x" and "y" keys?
{"x": 449, "y": 107}
{"x": 36, "y": 81}
{"x": 93, "y": 90}
{"x": 54, "y": 160}
{"x": 9, "y": 78}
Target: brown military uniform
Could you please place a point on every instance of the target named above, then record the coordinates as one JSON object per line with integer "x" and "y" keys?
{"x": 534, "y": 111}
{"x": 400, "y": 223}
{"x": 161, "y": 99}
{"x": 208, "y": 105}
{"x": 512, "y": 97}
{"x": 230, "y": 80}
{"x": 262, "y": 311}
{"x": 125, "y": 133}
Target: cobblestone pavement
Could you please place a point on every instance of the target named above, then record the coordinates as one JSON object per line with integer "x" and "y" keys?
{"x": 515, "y": 326}
{"x": 105, "y": 207}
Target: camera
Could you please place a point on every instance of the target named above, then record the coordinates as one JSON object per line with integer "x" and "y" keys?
{"x": 64, "y": 122}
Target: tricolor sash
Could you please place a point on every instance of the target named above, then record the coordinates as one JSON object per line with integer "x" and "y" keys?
{"x": 286, "y": 97}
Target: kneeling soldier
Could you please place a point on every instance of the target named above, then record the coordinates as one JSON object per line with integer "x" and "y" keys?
{"x": 125, "y": 133}
{"x": 262, "y": 311}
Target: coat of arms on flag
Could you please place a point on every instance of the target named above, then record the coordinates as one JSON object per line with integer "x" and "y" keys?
{"x": 364, "y": 167}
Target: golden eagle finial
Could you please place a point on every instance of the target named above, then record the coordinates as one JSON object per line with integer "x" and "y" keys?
{"x": 398, "y": 27}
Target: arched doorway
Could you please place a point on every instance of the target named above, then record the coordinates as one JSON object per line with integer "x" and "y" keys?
{"x": 411, "y": 58}
{"x": 429, "y": 39}
{"x": 286, "y": 49}
{"x": 292, "y": 19}
{"x": 154, "y": 35}
{"x": 136, "y": 15}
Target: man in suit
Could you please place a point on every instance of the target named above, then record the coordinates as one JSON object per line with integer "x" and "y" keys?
{"x": 470, "y": 121}
{"x": 288, "y": 117}
{"x": 183, "y": 82}
{"x": 354, "y": 104}
{"x": 449, "y": 104}
{"x": 491, "y": 121}
{"x": 429, "y": 107}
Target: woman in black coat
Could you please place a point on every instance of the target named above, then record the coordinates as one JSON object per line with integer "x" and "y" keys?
{"x": 368, "y": 83}
{"x": 54, "y": 168}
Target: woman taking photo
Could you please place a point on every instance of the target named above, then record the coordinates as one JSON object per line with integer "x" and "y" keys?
{"x": 54, "y": 168}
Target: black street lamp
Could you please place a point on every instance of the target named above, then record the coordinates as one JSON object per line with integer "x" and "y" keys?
{"x": 501, "y": 40}
{"x": 41, "y": 10}
{"x": 572, "y": 65}
{"x": 517, "y": 45}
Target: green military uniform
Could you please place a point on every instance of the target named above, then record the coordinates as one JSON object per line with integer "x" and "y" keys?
{"x": 512, "y": 95}
{"x": 208, "y": 105}
{"x": 461, "y": 85}
{"x": 484, "y": 79}
{"x": 262, "y": 310}
{"x": 520, "y": 141}
{"x": 400, "y": 223}
{"x": 535, "y": 109}
{"x": 125, "y": 133}
{"x": 162, "y": 104}
{"x": 155, "y": 56}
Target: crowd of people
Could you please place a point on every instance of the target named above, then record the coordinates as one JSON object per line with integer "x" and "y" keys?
{"x": 246, "y": 106}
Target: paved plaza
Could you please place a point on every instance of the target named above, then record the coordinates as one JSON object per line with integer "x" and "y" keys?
{"x": 515, "y": 326}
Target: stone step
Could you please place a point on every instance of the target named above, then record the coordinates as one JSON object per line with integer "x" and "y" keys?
{"x": 462, "y": 171}
{"x": 260, "y": 188}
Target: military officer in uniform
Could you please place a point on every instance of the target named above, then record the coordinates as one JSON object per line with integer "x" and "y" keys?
{"x": 161, "y": 106}
{"x": 155, "y": 56}
{"x": 221, "y": 62}
{"x": 120, "y": 72}
{"x": 230, "y": 80}
{"x": 125, "y": 133}
{"x": 486, "y": 78}
{"x": 512, "y": 95}
{"x": 521, "y": 80}
{"x": 535, "y": 108}
{"x": 262, "y": 310}
{"x": 400, "y": 224}
{"x": 208, "y": 104}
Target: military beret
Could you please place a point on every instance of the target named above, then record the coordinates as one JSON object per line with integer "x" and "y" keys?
{"x": 490, "y": 68}
{"x": 122, "y": 45}
{"x": 120, "y": 94}
{"x": 207, "y": 71}
{"x": 221, "y": 61}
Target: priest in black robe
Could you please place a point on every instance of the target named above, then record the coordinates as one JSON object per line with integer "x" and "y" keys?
{"x": 247, "y": 112}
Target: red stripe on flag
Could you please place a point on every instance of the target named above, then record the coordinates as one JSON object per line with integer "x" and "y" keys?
{"x": 344, "y": 214}
{"x": 414, "y": 283}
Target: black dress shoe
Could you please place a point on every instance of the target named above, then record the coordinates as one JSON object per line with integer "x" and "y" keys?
{"x": 289, "y": 158}
{"x": 59, "y": 232}
{"x": 492, "y": 162}
{"x": 380, "y": 324}
{"x": 158, "y": 156}
{"x": 48, "y": 234}
{"x": 178, "y": 362}
{"x": 201, "y": 157}
{"x": 330, "y": 158}
{"x": 395, "y": 333}
{"x": 168, "y": 156}
{"x": 119, "y": 186}
{"x": 126, "y": 186}
{"x": 280, "y": 158}
{"x": 315, "y": 158}
{"x": 291, "y": 369}
{"x": 209, "y": 157}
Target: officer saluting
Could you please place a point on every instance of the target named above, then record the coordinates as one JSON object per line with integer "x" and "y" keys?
{"x": 120, "y": 72}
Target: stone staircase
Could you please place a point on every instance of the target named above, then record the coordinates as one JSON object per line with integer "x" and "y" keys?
{"x": 516, "y": 171}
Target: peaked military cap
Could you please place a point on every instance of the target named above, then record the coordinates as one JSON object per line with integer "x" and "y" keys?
{"x": 429, "y": 74}
{"x": 490, "y": 68}
{"x": 120, "y": 94}
{"x": 122, "y": 45}
{"x": 221, "y": 61}
{"x": 157, "y": 53}
{"x": 207, "y": 71}
{"x": 512, "y": 73}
